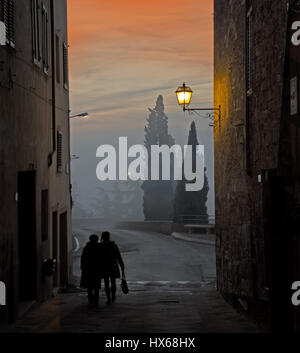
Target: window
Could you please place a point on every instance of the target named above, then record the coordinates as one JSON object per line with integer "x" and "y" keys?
{"x": 44, "y": 215}
{"x": 35, "y": 32}
{"x": 59, "y": 151}
{"x": 65, "y": 64}
{"x": 45, "y": 49}
{"x": 249, "y": 44}
{"x": 9, "y": 21}
{"x": 57, "y": 61}
{"x": 294, "y": 95}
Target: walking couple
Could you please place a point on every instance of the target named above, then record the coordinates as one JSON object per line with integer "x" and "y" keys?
{"x": 101, "y": 260}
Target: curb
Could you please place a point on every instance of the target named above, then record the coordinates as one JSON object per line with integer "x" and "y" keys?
{"x": 194, "y": 240}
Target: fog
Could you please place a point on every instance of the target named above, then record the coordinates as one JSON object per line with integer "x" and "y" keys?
{"x": 88, "y": 190}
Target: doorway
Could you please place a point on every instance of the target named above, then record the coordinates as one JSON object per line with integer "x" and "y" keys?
{"x": 278, "y": 254}
{"x": 27, "y": 236}
{"x": 54, "y": 246}
{"x": 63, "y": 248}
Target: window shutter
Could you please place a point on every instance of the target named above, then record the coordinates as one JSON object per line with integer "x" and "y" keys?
{"x": 12, "y": 23}
{"x": 57, "y": 58}
{"x": 46, "y": 42}
{"x": 35, "y": 32}
{"x": 33, "y": 28}
{"x": 9, "y": 20}
{"x": 5, "y": 10}
{"x": 45, "y": 49}
{"x": 44, "y": 36}
{"x": 38, "y": 31}
{"x": 59, "y": 151}
{"x": 6, "y": 18}
{"x": 249, "y": 52}
{"x": 65, "y": 64}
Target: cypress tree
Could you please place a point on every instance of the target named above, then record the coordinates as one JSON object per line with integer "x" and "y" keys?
{"x": 158, "y": 194}
{"x": 191, "y": 203}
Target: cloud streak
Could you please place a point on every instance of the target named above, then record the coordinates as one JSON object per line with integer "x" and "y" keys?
{"x": 124, "y": 53}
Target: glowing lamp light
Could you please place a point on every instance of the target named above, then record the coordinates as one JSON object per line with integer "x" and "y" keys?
{"x": 184, "y": 95}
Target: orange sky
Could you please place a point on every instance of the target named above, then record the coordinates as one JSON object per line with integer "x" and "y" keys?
{"x": 124, "y": 53}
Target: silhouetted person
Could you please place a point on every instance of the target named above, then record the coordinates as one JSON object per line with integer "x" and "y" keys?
{"x": 110, "y": 261}
{"x": 90, "y": 267}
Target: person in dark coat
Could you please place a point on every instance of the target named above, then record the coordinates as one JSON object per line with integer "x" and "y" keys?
{"x": 110, "y": 261}
{"x": 90, "y": 267}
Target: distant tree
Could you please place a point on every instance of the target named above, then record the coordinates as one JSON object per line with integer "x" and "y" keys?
{"x": 191, "y": 202}
{"x": 78, "y": 209}
{"x": 132, "y": 199}
{"x": 117, "y": 202}
{"x": 158, "y": 195}
{"x": 107, "y": 211}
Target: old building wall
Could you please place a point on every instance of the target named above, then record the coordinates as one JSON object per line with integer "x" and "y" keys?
{"x": 60, "y": 181}
{"x": 26, "y": 129}
{"x": 232, "y": 209}
{"x": 265, "y": 110}
{"x": 246, "y": 138}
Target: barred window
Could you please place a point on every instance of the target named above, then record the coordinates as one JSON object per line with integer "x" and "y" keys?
{"x": 45, "y": 31}
{"x": 35, "y": 32}
{"x": 59, "y": 151}
{"x": 249, "y": 44}
{"x": 9, "y": 21}
{"x": 57, "y": 56}
{"x": 65, "y": 64}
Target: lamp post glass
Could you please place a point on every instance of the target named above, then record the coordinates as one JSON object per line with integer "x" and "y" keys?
{"x": 81, "y": 115}
{"x": 184, "y": 95}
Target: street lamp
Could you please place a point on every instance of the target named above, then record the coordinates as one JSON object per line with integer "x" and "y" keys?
{"x": 74, "y": 156}
{"x": 184, "y": 96}
{"x": 81, "y": 115}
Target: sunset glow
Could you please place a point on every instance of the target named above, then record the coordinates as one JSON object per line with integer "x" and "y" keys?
{"x": 124, "y": 53}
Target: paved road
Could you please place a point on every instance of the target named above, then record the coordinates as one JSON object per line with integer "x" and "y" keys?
{"x": 153, "y": 257}
{"x": 172, "y": 289}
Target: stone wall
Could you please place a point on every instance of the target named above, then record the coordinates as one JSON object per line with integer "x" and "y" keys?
{"x": 246, "y": 138}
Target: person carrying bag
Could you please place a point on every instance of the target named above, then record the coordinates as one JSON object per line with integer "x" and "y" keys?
{"x": 111, "y": 259}
{"x": 124, "y": 285}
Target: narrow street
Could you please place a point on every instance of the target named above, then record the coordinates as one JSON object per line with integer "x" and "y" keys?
{"x": 170, "y": 129}
{"x": 172, "y": 289}
{"x": 153, "y": 257}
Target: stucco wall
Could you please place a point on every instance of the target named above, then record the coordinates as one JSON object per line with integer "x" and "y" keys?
{"x": 26, "y": 142}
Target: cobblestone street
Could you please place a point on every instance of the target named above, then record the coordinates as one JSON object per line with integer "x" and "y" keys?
{"x": 149, "y": 307}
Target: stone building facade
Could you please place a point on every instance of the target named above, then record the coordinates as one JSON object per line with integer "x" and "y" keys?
{"x": 257, "y": 150}
{"x": 35, "y": 198}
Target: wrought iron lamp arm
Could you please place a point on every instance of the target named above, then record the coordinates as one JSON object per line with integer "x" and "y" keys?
{"x": 214, "y": 110}
{"x": 191, "y": 109}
